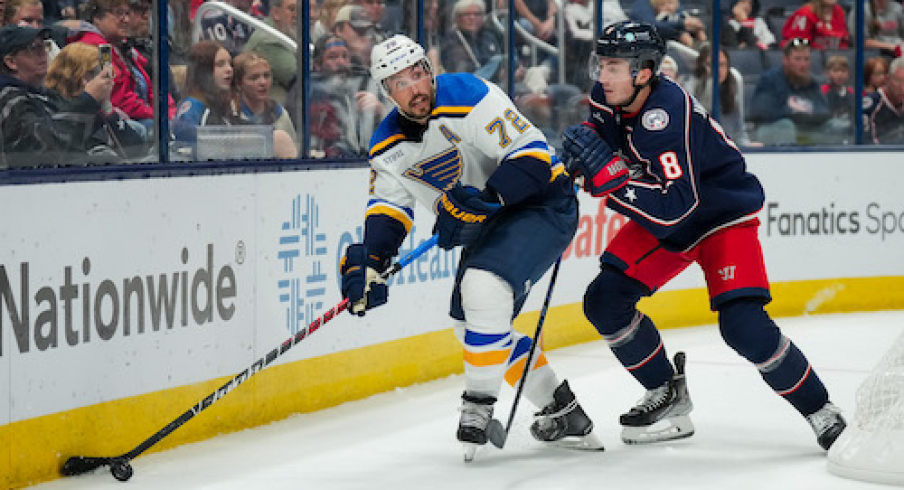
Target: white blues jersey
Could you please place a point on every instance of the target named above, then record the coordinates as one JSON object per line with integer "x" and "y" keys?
{"x": 473, "y": 131}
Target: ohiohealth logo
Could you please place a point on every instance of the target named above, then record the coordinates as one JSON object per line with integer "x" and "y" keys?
{"x": 302, "y": 250}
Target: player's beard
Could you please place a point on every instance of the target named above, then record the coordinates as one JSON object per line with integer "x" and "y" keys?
{"x": 420, "y": 107}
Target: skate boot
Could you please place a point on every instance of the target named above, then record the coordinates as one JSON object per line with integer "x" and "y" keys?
{"x": 564, "y": 423}
{"x": 827, "y": 423}
{"x": 476, "y": 413}
{"x": 662, "y": 414}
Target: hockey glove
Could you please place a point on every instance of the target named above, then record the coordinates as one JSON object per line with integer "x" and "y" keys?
{"x": 586, "y": 153}
{"x": 361, "y": 281}
{"x": 461, "y": 215}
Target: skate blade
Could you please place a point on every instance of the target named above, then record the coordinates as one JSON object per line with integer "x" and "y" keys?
{"x": 470, "y": 449}
{"x": 669, "y": 429}
{"x": 589, "y": 442}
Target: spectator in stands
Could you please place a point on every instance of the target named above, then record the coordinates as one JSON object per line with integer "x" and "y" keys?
{"x": 24, "y": 13}
{"x": 326, "y": 18}
{"x": 788, "y": 105}
{"x": 471, "y": 46}
{"x": 283, "y": 15}
{"x": 140, "y": 31}
{"x": 669, "y": 67}
{"x": 210, "y": 100}
{"x": 208, "y": 89}
{"x": 580, "y": 16}
{"x": 670, "y": 11}
{"x": 743, "y": 27}
{"x": 354, "y": 26}
{"x": 875, "y": 71}
{"x": 580, "y": 35}
{"x": 538, "y": 17}
{"x": 731, "y": 114}
{"x": 253, "y": 80}
{"x": 821, "y": 22}
{"x": 883, "y": 29}
{"x": 643, "y": 11}
{"x": 839, "y": 95}
{"x": 108, "y": 22}
{"x": 67, "y": 79}
{"x": 36, "y": 129}
{"x": 228, "y": 30}
{"x": 434, "y": 30}
{"x": 31, "y": 13}
{"x": 345, "y": 110}
{"x": 376, "y": 9}
{"x": 884, "y": 108}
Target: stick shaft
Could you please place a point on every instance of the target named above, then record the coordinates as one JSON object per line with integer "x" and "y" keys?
{"x": 258, "y": 365}
{"x": 533, "y": 345}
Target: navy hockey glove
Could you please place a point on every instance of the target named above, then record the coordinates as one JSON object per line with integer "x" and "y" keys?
{"x": 361, "y": 281}
{"x": 461, "y": 215}
{"x": 587, "y": 154}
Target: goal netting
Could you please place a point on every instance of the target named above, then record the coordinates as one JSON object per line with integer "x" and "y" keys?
{"x": 872, "y": 446}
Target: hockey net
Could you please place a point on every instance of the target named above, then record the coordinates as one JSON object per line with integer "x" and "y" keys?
{"x": 872, "y": 446}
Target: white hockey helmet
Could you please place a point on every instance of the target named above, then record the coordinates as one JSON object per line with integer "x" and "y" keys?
{"x": 394, "y": 55}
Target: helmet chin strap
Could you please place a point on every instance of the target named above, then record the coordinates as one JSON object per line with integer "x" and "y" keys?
{"x": 638, "y": 88}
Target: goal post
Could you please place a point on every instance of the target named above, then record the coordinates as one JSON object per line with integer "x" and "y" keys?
{"x": 871, "y": 448}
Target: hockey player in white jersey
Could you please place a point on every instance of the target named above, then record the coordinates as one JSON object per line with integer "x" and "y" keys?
{"x": 457, "y": 144}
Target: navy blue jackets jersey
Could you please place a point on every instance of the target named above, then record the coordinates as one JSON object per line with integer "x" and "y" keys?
{"x": 884, "y": 122}
{"x": 688, "y": 178}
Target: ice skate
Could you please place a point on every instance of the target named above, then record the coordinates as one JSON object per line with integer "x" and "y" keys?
{"x": 476, "y": 412}
{"x": 827, "y": 423}
{"x": 662, "y": 414}
{"x": 564, "y": 423}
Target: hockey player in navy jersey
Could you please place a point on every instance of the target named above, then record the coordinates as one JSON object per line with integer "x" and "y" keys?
{"x": 662, "y": 161}
{"x": 456, "y": 144}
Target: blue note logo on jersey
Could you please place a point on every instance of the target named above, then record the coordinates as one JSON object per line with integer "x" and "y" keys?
{"x": 439, "y": 172}
{"x": 655, "y": 120}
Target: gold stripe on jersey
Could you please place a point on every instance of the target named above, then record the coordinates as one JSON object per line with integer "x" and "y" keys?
{"x": 384, "y": 209}
{"x": 451, "y": 111}
{"x": 377, "y": 148}
{"x": 555, "y": 170}
{"x": 541, "y": 155}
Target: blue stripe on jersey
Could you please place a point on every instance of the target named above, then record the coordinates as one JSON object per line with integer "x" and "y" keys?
{"x": 540, "y": 145}
{"x": 387, "y": 135}
{"x": 478, "y": 339}
{"x": 460, "y": 90}
{"x": 382, "y": 206}
{"x": 521, "y": 347}
{"x": 456, "y": 95}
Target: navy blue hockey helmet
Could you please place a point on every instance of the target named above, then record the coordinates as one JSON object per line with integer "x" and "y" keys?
{"x": 637, "y": 42}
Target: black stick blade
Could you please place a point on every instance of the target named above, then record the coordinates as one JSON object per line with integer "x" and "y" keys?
{"x": 79, "y": 465}
{"x": 496, "y": 433}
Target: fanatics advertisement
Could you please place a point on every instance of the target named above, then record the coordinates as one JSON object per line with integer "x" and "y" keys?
{"x": 121, "y": 288}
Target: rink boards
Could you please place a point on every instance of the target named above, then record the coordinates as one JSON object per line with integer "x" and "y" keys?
{"x": 124, "y": 303}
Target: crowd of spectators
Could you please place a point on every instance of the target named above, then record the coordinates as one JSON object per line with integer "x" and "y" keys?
{"x": 228, "y": 71}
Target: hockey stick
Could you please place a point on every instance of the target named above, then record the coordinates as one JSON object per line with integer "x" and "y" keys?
{"x": 119, "y": 465}
{"x": 495, "y": 432}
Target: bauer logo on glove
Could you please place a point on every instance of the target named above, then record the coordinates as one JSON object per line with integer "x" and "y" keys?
{"x": 461, "y": 215}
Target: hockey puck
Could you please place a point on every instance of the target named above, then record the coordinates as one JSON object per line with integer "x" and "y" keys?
{"x": 121, "y": 470}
